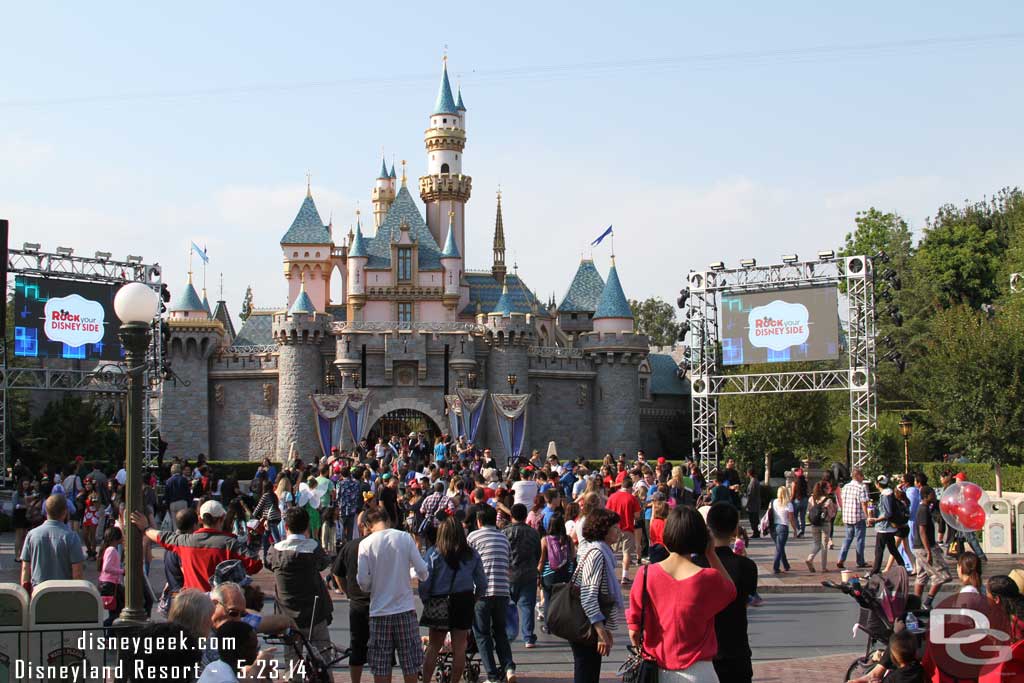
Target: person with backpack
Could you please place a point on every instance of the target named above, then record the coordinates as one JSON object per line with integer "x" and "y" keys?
{"x": 557, "y": 554}
{"x": 891, "y": 516}
{"x": 820, "y": 513}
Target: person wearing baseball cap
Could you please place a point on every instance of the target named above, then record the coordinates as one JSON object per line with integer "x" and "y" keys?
{"x": 205, "y": 548}
{"x": 885, "y": 531}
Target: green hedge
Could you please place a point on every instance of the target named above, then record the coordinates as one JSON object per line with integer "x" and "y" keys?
{"x": 240, "y": 469}
{"x": 981, "y": 474}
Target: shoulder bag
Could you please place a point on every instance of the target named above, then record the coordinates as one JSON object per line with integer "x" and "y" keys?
{"x": 638, "y": 668}
{"x": 437, "y": 609}
{"x": 566, "y": 617}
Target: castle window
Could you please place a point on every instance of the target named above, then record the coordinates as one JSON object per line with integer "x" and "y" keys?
{"x": 574, "y": 316}
{"x": 404, "y": 265}
{"x": 444, "y": 168}
{"x": 405, "y": 312}
{"x": 444, "y": 120}
{"x": 643, "y": 389}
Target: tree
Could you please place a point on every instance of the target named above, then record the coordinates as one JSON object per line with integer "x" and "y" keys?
{"x": 657, "y": 319}
{"x": 71, "y": 427}
{"x": 971, "y": 382}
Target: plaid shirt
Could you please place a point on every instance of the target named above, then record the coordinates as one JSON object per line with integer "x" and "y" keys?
{"x": 432, "y": 503}
{"x": 854, "y": 495}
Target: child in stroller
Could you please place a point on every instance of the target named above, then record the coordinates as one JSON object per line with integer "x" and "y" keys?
{"x": 443, "y": 672}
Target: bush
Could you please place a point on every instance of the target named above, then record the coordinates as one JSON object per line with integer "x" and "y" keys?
{"x": 240, "y": 469}
{"x": 983, "y": 475}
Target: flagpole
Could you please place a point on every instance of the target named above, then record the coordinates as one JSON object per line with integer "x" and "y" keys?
{"x": 190, "y": 260}
{"x": 206, "y": 260}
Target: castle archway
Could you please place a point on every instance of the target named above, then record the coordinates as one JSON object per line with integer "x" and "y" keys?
{"x": 400, "y": 416}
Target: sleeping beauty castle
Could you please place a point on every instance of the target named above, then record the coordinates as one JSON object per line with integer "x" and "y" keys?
{"x": 416, "y": 340}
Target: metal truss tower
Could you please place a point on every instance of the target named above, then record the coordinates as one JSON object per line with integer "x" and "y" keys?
{"x": 707, "y": 382}
{"x": 105, "y": 378}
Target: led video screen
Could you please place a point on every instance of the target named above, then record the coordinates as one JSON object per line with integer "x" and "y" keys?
{"x": 65, "y": 319}
{"x": 780, "y": 326}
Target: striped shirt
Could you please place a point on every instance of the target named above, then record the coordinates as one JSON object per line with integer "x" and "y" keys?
{"x": 494, "y": 550}
{"x": 591, "y": 576}
{"x": 853, "y": 495}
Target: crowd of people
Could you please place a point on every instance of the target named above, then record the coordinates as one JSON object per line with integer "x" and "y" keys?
{"x": 488, "y": 549}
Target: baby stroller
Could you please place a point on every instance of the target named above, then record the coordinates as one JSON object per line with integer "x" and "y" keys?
{"x": 471, "y": 674}
{"x": 886, "y": 606}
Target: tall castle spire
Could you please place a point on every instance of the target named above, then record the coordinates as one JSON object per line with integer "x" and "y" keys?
{"x": 498, "y": 269}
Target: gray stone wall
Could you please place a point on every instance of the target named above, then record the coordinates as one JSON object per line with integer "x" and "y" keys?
{"x": 561, "y": 410}
{"x": 616, "y": 405}
{"x": 665, "y": 426}
{"x": 243, "y": 412}
{"x": 502, "y": 361}
{"x": 299, "y": 375}
{"x": 185, "y": 418}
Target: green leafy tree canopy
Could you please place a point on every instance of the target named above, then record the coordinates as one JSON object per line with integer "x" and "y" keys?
{"x": 657, "y": 319}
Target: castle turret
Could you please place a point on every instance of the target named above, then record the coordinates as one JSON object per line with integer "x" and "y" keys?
{"x": 299, "y": 335}
{"x": 358, "y": 257}
{"x": 616, "y": 353}
{"x": 383, "y": 194}
{"x": 576, "y": 312}
{"x": 306, "y": 248}
{"x": 188, "y": 305}
{"x": 451, "y": 261}
{"x": 498, "y": 269}
{"x": 508, "y": 337}
{"x": 445, "y": 188}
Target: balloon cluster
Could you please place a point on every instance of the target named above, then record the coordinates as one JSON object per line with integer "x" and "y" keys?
{"x": 962, "y": 506}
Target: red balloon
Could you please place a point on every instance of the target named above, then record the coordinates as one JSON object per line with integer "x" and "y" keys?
{"x": 972, "y": 516}
{"x": 971, "y": 492}
{"x": 948, "y": 506}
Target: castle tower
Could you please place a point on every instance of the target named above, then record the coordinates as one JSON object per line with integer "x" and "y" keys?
{"x": 357, "y": 260}
{"x": 306, "y": 249}
{"x": 383, "y": 193}
{"x": 451, "y": 261}
{"x": 195, "y": 336}
{"x": 616, "y": 353}
{"x": 498, "y": 269}
{"x": 299, "y": 334}
{"x": 445, "y": 188}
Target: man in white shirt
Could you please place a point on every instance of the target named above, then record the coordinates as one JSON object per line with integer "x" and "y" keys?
{"x": 388, "y": 558}
{"x": 525, "y": 490}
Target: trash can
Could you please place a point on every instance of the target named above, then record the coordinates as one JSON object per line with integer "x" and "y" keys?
{"x": 13, "y": 628}
{"x": 64, "y": 617}
{"x": 998, "y": 536}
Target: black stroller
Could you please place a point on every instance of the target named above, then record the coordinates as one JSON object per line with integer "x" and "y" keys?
{"x": 886, "y": 606}
{"x": 471, "y": 674}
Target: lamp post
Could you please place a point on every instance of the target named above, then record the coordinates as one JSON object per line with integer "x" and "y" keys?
{"x": 906, "y": 429}
{"x": 355, "y": 379}
{"x": 471, "y": 376}
{"x": 329, "y": 381}
{"x": 512, "y": 379}
{"x": 729, "y": 428}
{"x": 136, "y": 306}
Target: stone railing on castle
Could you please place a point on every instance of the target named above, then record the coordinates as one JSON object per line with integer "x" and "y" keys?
{"x": 555, "y": 352}
{"x": 414, "y": 326}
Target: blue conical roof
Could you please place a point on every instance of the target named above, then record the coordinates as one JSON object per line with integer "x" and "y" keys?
{"x": 358, "y": 246}
{"x": 308, "y": 227}
{"x": 445, "y": 104}
{"x": 613, "y": 302}
{"x": 303, "y": 304}
{"x": 392, "y": 173}
{"x": 383, "y": 169}
{"x": 450, "y": 249}
{"x": 188, "y": 299}
{"x": 504, "y": 305}
{"x": 458, "y": 104}
{"x": 585, "y": 291}
{"x": 206, "y": 304}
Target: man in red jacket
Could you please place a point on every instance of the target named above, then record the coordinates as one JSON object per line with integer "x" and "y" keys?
{"x": 202, "y": 550}
{"x": 627, "y": 507}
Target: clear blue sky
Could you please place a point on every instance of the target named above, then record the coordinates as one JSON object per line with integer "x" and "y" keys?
{"x": 700, "y": 131}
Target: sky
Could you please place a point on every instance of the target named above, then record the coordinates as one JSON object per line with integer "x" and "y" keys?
{"x": 701, "y": 131}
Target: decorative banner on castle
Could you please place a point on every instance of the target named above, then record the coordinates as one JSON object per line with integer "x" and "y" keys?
{"x": 456, "y": 424}
{"x": 357, "y": 410}
{"x": 510, "y": 412}
{"x": 330, "y": 423}
{"x": 473, "y": 402}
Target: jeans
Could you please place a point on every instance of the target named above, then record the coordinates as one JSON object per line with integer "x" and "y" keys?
{"x": 819, "y": 544}
{"x": 348, "y": 525}
{"x": 491, "y": 639}
{"x": 800, "y": 508}
{"x": 883, "y": 541}
{"x": 524, "y": 595}
{"x": 586, "y": 663}
{"x": 858, "y": 530}
{"x": 781, "y": 536}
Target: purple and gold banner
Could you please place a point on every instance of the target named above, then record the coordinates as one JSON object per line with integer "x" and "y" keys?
{"x": 328, "y": 409}
{"x": 510, "y": 413}
{"x": 471, "y": 410}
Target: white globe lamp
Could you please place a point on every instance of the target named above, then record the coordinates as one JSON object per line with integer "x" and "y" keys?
{"x": 136, "y": 303}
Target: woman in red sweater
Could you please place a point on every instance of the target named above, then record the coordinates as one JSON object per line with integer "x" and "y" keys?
{"x": 681, "y": 602}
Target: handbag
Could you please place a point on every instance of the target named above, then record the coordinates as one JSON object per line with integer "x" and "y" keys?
{"x": 637, "y": 668}
{"x": 566, "y": 617}
{"x": 437, "y": 609}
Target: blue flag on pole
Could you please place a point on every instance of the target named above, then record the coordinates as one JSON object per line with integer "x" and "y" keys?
{"x": 201, "y": 253}
{"x": 602, "y": 236}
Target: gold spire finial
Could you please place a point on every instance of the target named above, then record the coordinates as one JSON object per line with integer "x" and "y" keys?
{"x": 451, "y": 214}
{"x": 309, "y": 190}
{"x": 403, "y": 172}
{"x": 499, "y": 192}
{"x": 444, "y": 56}
{"x": 302, "y": 280}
